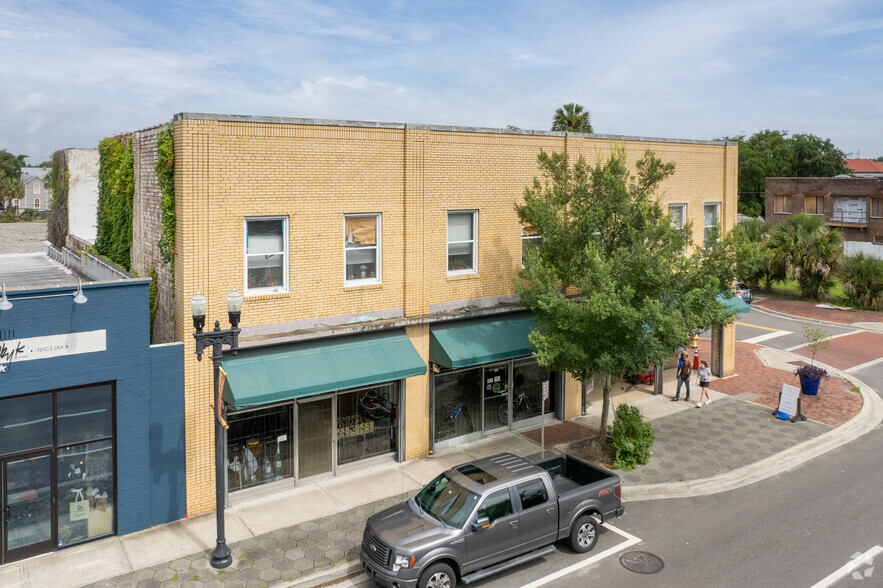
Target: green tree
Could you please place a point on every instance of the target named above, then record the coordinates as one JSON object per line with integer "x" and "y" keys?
{"x": 753, "y": 258}
{"x": 862, "y": 277}
{"x": 805, "y": 249}
{"x": 10, "y": 189}
{"x": 606, "y": 236}
{"x": 773, "y": 154}
{"x": 10, "y": 165}
{"x": 573, "y": 118}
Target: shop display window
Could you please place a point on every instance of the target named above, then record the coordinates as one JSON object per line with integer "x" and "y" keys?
{"x": 259, "y": 447}
{"x": 25, "y": 423}
{"x": 457, "y": 403}
{"x": 85, "y": 491}
{"x": 367, "y": 423}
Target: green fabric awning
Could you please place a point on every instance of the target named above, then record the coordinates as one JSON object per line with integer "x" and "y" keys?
{"x": 734, "y": 303}
{"x": 263, "y": 376}
{"x": 473, "y": 342}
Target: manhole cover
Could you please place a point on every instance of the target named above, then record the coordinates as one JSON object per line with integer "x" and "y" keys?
{"x": 641, "y": 562}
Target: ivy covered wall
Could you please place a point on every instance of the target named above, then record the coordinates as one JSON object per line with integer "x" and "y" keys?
{"x": 116, "y": 188}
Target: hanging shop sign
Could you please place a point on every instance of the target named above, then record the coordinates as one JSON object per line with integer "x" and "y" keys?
{"x": 31, "y": 348}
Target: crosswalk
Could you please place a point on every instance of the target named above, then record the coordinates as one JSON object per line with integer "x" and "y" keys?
{"x": 767, "y": 336}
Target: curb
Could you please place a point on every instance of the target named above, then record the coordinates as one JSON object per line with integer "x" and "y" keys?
{"x": 870, "y": 415}
{"x": 819, "y": 321}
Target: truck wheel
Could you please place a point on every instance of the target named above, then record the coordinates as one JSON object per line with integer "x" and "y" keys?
{"x": 438, "y": 575}
{"x": 584, "y": 534}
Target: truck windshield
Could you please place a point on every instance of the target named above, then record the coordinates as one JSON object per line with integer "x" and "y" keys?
{"x": 447, "y": 500}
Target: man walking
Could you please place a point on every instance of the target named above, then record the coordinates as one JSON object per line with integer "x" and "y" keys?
{"x": 684, "y": 370}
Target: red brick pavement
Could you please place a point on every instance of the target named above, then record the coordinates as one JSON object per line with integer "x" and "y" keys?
{"x": 834, "y": 405}
{"x": 810, "y": 310}
{"x": 849, "y": 351}
{"x": 566, "y": 432}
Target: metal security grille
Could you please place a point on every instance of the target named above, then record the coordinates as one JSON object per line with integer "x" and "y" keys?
{"x": 259, "y": 445}
{"x": 367, "y": 423}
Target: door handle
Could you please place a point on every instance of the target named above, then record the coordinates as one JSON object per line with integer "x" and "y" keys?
{"x": 513, "y": 524}
{"x": 551, "y": 510}
{"x": 7, "y": 512}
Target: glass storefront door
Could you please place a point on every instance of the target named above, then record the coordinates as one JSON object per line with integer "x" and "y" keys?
{"x": 508, "y": 394}
{"x": 315, "y": 437}
{"x": 496, "y": 396}
{"x": 27, "y": 505}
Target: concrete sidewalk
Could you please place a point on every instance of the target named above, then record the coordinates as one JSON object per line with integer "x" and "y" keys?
{"x": 310, "y": 534}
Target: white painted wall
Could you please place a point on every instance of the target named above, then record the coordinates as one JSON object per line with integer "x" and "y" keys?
{"x": 82, "y": 195}
{"x": 872, "y": 249}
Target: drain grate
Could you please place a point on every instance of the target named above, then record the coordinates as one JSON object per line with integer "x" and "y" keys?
{"x": 641, "y": 562}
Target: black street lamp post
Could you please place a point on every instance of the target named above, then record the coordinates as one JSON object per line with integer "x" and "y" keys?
{"x": 216, "y": 339}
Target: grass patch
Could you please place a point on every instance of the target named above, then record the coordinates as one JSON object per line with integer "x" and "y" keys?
{"x": 855, "y": 390}
{"x": 175, "y": 577}
{"x": 244, "y": 554}
{"x": 790, "y": 289}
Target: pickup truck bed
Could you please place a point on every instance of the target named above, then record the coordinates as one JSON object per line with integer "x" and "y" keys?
{"x": 574, "y": 480}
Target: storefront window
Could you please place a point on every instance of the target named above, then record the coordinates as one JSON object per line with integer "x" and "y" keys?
{"x": 259, "y": 447}
{"x": 527, "y": 394}
{"x": 367, "y": 423}
{"x": 25, "y": 423}
{"x": 457, "y": 403}
{"x": 85, "y": 491}
{"x": 85, "y": 414}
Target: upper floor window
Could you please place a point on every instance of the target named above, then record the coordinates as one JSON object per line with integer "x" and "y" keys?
{"x": 782, "y": 204}
{"x": 266, "y": 254}
{"x": 678, "y": 213}
{"x": 529, "y": 238}
{"x": 36, "y": 187}
{"x": 812, "y": 205}
{"x": 877, "y": 207}
{"x": 462, "y": 242}
{"x": 36, "y": 203}
{"x": 361, "y": 245}
{"x": 711, "y": 221}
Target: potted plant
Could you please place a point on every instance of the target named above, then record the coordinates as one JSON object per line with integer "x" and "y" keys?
{"x": 811, "y": 375}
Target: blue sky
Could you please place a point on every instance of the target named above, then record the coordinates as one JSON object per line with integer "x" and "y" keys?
{"x": 76, "y": 71}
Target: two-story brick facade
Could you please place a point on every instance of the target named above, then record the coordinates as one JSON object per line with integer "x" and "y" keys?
{"x": 854, "y": 205}
{"x": 376, "y": 262}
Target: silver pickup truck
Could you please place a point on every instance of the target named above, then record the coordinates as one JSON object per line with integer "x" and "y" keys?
{"x": 483, "y": 517}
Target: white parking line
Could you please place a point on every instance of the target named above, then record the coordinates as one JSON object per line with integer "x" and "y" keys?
{"x": 767, "y": 336}
{"x": 862, "y": 366}
{"x": 864, "y": 558}
{"x": 630, "y": 540}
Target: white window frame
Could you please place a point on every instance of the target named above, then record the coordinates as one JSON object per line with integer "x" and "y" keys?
{"x": 705, "y": 226}
{"x": 683, "y": 207}
{"x": 359, "y": 281}
{"x": 36, "y": 188}
{"x": 528, "y": 238}
{"x": 474, "y": 241}
{"x": 15, "y": 202}
{"x": 245, "y": 255}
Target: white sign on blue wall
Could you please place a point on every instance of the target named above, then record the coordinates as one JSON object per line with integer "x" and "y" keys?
{"x": 32, "y": 348}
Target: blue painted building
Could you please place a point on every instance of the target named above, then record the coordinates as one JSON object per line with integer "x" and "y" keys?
{"x": 91, "y": 415}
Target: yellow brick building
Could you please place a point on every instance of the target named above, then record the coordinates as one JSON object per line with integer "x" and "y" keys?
{"x": 376, "y": 262}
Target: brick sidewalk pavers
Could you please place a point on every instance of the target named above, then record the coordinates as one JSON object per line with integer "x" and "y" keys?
{"x": 278, "y": 557}
{"x": 717, "y": 438}
{"x": 834, "y": 405}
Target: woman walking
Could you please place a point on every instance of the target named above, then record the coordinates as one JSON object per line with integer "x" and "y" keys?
{"x": 704, "y": 381}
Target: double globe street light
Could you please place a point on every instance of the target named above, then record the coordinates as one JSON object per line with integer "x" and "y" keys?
{"x": 216, "y": 339}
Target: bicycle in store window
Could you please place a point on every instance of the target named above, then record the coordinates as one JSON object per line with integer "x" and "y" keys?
{"x": 375, "y": 406}
{"x": 448, "y": 423}
{"x": 520, "y": 405}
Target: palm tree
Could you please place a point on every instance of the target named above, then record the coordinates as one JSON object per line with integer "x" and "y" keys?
{"x": 808, "y": 251}
{"x": 862, "y": 277}
{"x": 573, "y": 118}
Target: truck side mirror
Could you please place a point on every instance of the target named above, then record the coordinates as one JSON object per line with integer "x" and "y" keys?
{"x": 481, "y": 523}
